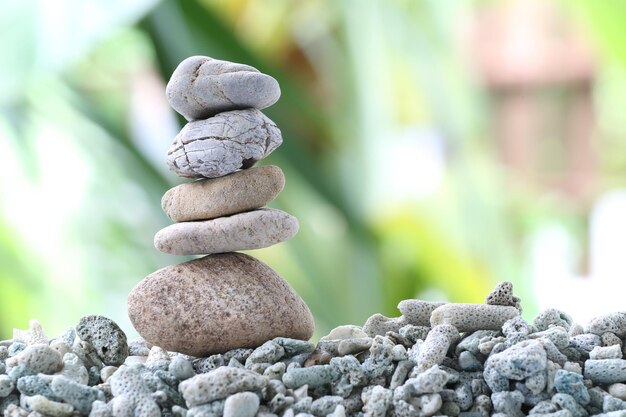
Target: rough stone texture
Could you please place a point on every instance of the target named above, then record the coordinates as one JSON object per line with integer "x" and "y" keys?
{"x": 78, "y": 395}
{"x": 37, "y": 358}
{"x": 201, "y": 87}
{"x": 219, "y": 384}
{"x": 34, "y": 334}
{"x": 417, "y": 312}
{"x": 106, "y": 337}
{"x": 244, "y": 231}
{"x": 502, "y": 295}
{"x": 552, "y": 317}
{"x": 435, "y": 347}
{"x": 217, "y": 303}
{"x": 614, "y": 323}
{"x": 473, "y": 317}
{"x": 240, "y": 191}
{"x": 46, "y": 407}
{"x": 380, "y": 325}
{"x": 606, "y": 371}
{"x": 223, "y": 144}
{"x": 518, "y": 362}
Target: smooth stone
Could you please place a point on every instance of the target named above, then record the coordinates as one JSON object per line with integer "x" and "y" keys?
{"x": 201, "y": 87}
{"x": 217, "y": 303}
{"x": 240, "y": 191}
{"x": 241, "y": 404}
{"x": 223, "y": 144}
{"x": 244, "y": 231}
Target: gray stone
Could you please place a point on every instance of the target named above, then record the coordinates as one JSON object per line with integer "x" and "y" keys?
{"x": 275, "y": 371}
{"x": 376, "y": 401}
{"x": 347, "y": 331}
{"x": 219, "y": 384}
{"x": 34, "y": 335}
{"x": 417, "y": 312}
{"x": 223, "y": 144}
{"x": 6, "y": 386}
{"x": 80, "y": 396}
{"x": 47, "y": 407}
{"x": 571, "y": 383}
{"x": 379, "y": 325}
{"x": 567, "y": 402}
{"x": 517, "y": 362}
{"x": 313, "y": 376}
{"x": 469, "y": 362}
{"x": 217, "y": 303}
{"x": 74, "y": 369}
{"x": 213, "y": 409}
{"x": 38, "y": 358}
{"x": 101, "y": 409}
{"x": 244, "y": 231}
{"x": 613, "y": 322}
{"x": 294, "y": 347}
{"x": 552, "y": 317}
{"x": 618, "y": 390}
{"x": 106, "y": 337}
{"x": 325, "y": 405}
{"x": 241, "y": 404}
{"x": 502, "y": 295}
{"x": 181, "y": 368}
{"x": 107, "y": 372}
{"x": 606, "y": 352}
{"x": 353, "y": 346}
{"x": 585, "y": 342}
{"x": 138, "y": 347}
{"x": 268, "y": 352}
{"x": 201, "y": 87}
{"x": 240, "y": 191}
{"x": 508, "y": 402}
{"x": 434, "y": 349}
{"x": 606, "y": 371}
{"x": 31, "y": 385}
{"x": 472, "y": 317}
{"x": 432, "y": 380}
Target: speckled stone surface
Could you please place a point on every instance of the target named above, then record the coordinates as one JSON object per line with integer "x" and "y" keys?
{"x": 210, "y": 198}
{"x": 472, "y": 317}
{"x": 216, "y": 303}
{"x": 244, "y": 231}
{"x": 201, "y": 87}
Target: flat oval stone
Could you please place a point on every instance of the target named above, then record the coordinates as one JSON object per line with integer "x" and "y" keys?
{"x": 201, "y": 87}
{"x": 244, "y": 231}
{"x": 217, "y": 303}
{"x": 223, "y": 144}
{"x": 234, "y": 193}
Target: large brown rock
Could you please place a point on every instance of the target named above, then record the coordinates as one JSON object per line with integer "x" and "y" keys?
{"x": 216, "y": 197}
{"x": 217, "y": 303}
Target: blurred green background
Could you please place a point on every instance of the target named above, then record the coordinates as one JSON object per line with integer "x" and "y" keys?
{"x": 431, "y": 148}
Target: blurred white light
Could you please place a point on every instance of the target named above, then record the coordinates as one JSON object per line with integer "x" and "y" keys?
{"x": 555, "y": 281}
{"x": 408, "y": 167}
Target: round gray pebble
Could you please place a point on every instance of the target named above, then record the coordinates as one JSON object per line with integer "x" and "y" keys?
{"x": 106, "y": 337}
{"x": 241, "y": 404}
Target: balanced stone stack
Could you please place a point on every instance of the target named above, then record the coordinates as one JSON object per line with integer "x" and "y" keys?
{"x": 224, "y": 300}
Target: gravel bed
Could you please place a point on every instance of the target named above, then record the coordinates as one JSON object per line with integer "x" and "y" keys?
{"x": 468, "y": 360}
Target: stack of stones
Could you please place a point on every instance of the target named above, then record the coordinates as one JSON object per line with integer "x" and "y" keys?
{"x": 224, "y": 300}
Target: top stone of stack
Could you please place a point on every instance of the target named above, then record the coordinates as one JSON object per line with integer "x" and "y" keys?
{"x": 201, "y": 87}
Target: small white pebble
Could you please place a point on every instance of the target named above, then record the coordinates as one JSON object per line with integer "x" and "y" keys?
{"x": 618, "y": 390}
{"x": 608, "y": 352}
